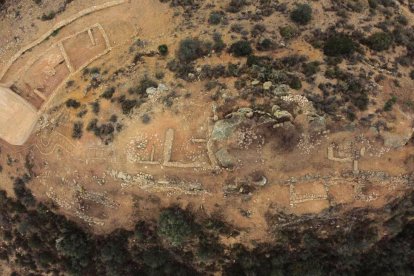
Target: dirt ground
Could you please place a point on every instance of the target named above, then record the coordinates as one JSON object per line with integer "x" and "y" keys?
{"x": 111, "y": 186}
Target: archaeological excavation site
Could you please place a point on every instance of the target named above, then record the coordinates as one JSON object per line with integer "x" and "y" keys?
{"x": 206, "y": 137}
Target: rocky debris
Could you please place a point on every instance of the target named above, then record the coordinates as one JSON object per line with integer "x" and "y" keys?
{"x": 395, "y": 140}
{"x": 225, "y": 159}
{"x": 141, "y": 179}
{"x": 154, "y": 92}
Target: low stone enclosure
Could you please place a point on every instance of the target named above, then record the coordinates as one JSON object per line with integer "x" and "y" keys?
{"x": 34, "y": 83}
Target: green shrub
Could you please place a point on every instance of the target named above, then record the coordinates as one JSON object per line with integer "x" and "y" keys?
{"x": 390, "y": 103}
{"x": 48, "y": 16}
{"x": 128, "y": 105}
{"x": 241, "y": 48}
{"x": 215, "y": 18}
{"x": 265, "y": 45}
{"x": 141, "y": 88}
{"x": 402, "y": 19}
{"x": 96, "y": 107}
{"x": 218, "y": 45}
{"x": 174, "y": 226}
{"x": 77, "y": 130}
{"x": 339, "y": 45}
{"x": 373, "y": 4}
{"x": 295, "y": 83}
{"x": 190, "y": 50}
{"x": 73, "y": 103}
{"x": 163, "y": 50}
{"x": 379, "y": 41}
{"x": 302, "y": 14}
{"x": 236, "y": 5}
{"x": 108, "y": 93}
{"x": 311, "y": 68}
{"x": 288, "y": 32}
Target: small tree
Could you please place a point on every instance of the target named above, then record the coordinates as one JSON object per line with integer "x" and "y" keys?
{"x": 215, "y": 18}
{"x": 339, "y": 45}
{"x": 288, "y": 32}
{"x": 241, "y": 48}
{"x": 190, "y": 50}
{"x": 302, "y": 14}
{"x": 163, "y": 50}
{"x": 77, "y": 130}
{"x": 379, "y": 41}
{"x": 72, "y": 103}
{"x": 174, "y": 226}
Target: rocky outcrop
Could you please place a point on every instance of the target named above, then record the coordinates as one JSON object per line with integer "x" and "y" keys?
{"x": 396, "y": 140}
{"x": 223, "y": 129}
{"x": 224, "y": 158}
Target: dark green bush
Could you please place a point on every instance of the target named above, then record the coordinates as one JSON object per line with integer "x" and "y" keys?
{"x": 191, "y": 49}
{"x": 77, "y": 130}
{"x": 128, "y": 105}
{"x": 311, "y": 68}
{"x": 48, "y": 16}
{"x": 174, "y": 226}
{"x": 215, "y": 18}
{"x": 288, "y": 32}
{"x": 402, "y": 19}
{"x": 295, "y": 83}
{"x": 108, "y": 93}
{"x": 339, "y": 45}
{"x": 141, "y": 88}
{"x": 390, "y": 103}
{"x": 302, "y": 14}
{"x": 265, "y": 45}
{"x": 241, "y": 48}
{"x": 379, "y": 41}
{"x": 96, "y": 107}
{"x": 72, "y": 103}
{"x": 236, "y": 5}
{"x": 163, "y": 50}
{"x": 373, "y": 4}
{"x": 218, "y": 45}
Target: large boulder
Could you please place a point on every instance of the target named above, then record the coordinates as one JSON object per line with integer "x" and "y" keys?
{"x": 223, "y": 129}
{"x": 396, "y": 140}
{"x": 224, "y": 158}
